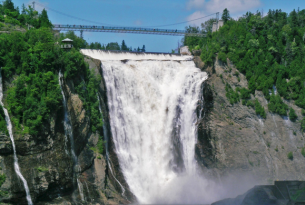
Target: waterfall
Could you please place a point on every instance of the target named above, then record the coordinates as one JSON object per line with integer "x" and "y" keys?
{"x": 16, "y": 165}
{"x": 107, "y": 152}
{"x": 152, "y": 101}
{"x": 69, "y": 133}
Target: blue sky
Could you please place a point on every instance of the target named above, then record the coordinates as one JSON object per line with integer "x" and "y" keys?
{"x": 149, "y": 13}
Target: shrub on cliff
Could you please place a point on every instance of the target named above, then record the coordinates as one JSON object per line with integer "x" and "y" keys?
{"x": 303, "y": 152}
{"x": 2, "y": 179}
{"x": 222, "y": 56}
{"x": 259, "y": 109}
{"x": 292, "y": 115}
{"x": 290, "y": 155}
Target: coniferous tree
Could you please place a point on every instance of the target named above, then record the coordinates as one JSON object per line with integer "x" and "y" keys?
{"x": 113, "y": 46}
{"x": 143, "y": 48}
{"x": 124, "y": 46}
{"x": 225, "y": 15}
{"x": 293, "y": 18}
{"x": 23, "y": 11}
{"x": 8, "y": 4}
{"x": 44, "y": 19}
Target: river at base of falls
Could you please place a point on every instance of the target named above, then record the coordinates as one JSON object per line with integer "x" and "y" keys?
{"x": 152, "y": 101}
{"x": 10, "y": 131}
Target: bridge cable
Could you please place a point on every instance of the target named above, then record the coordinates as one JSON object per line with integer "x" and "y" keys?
{"x": 180, "y": 22}
{"x": 119, "y": 25}
{"x": 48, "y": 8}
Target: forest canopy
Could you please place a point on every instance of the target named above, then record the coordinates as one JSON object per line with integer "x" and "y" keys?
{"x": 31, "y": 60}
{"x": 269, "y": 50}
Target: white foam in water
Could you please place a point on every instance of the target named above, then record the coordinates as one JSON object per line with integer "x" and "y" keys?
{"x": 111, "y": 55}
{"x": 107, "y": 152}
{"x": 145, "y": 96}
{"x": 16, "y": 165}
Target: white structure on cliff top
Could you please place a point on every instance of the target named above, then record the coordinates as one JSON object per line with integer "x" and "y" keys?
{"x": 217, "y": 26}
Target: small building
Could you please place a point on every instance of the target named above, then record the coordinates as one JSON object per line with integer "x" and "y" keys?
{"x": 67, "y": 43}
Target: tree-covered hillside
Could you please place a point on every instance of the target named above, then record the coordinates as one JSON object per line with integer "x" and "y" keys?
{"x": 32, "y": 61}
{"x": 269, "y": 51}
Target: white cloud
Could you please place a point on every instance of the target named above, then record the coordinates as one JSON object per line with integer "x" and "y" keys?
{"x": 195, "y": 4}
{"x": 236, "y": 7}
{"x": 233, "y": 6}
{"x": 196, "y": 15}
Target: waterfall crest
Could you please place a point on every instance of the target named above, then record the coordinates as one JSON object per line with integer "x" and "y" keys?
{"x": 152, "y": 102}
{"x": 16, "y": 165}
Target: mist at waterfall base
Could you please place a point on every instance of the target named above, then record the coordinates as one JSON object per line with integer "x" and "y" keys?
{"x": 152, "y": 101}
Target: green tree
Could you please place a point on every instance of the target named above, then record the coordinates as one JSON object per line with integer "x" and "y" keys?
{"x": 259, "y": 109}
{"x": 113, "y": 46}
{"x": 225, "y": 15}
{"x": 293, "y": 16}
{"x": 124, "y": 46}
{"x": 207, "y": 25}
{"x": 44, "y": 19}
{"x": 8, "y": 4}
{"x": 292, "y": 115}
{"x": 143, "y": 48}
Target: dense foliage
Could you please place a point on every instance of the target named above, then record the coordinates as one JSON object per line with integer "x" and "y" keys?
{"x": 27, "y": 17}
{"x": 2, "y": 179}
{"x": 32, "y": 61}
{"x": 3, "y": 127}
{"x": 269, "y": 51}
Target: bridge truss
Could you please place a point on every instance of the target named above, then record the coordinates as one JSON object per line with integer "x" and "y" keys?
{"x": 136, "y": 30}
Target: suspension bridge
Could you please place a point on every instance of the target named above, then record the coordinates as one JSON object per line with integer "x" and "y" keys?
{"x": 138, "y": 30}
{"x": 99, "y": 27}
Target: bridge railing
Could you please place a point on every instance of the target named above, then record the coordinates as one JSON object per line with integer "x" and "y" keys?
{"x": 150, "y": 30}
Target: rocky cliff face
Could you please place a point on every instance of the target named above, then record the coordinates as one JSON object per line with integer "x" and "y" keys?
{"x": 234, "y": 142}
{"x": 46, "y": 163}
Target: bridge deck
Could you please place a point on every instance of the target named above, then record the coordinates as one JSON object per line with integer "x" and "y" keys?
{"x": 156, "y": 31}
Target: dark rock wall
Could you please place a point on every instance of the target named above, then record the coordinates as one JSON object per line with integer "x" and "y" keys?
{"x": 233, "y": 141}
{"x": 54, "y": 183}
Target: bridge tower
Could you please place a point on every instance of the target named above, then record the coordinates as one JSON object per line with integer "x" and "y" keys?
{"x": 81, "y": 34}
{"x": 217, "y": 24}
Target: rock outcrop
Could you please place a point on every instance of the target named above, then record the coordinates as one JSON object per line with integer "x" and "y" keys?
{"x": 281, "y": 193}
{"x": 233, "y": 141}
{"x": 46, "y": 163}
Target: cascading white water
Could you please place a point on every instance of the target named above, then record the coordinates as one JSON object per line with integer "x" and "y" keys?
{"x": 9, "y": 128}
{"x": 69, "y": 133}
{"x": 107, "y": 152}
{"x": 152, "y": 101}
